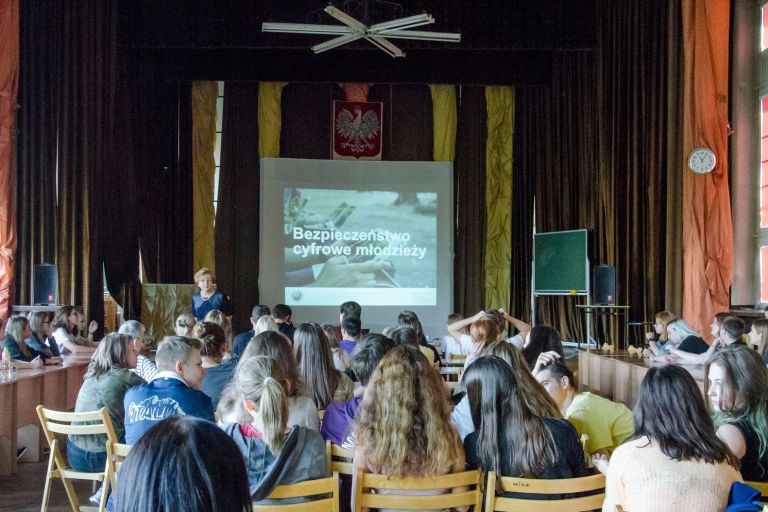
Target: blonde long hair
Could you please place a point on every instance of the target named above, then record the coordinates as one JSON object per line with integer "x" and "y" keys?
{"x": 260, "y": 380}
{"x": 15, "y": 328}
{"x": 664, "y": 318}
{"x": 403, "y": 426}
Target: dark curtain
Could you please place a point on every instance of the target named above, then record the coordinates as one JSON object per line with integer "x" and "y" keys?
{"x": 237, "y": 214}
{"x": 407, "y": 122}
{"x": 306, "y": 120}
{"x": 639, "y": 69}
{"x": 469, "y": 193}
{"x": 36, "y": 145}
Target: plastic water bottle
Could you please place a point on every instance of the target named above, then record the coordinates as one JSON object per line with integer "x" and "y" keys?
{"x": 5, "y": 366}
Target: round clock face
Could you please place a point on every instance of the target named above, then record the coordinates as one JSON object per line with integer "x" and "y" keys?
{"x": 702, "y": 160}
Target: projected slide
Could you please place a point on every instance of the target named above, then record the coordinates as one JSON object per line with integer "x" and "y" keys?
{"x": 379, "y": 233}
{"x": 339, "y": 239}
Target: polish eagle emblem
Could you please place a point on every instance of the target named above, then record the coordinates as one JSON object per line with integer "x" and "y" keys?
{"x": 357, "y": 128}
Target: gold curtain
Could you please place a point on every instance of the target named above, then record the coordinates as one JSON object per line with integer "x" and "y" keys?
{"x": 444, "y": 117}
{"x": 270, "y": 94}
{"x": 203, "y": 172}
{"x": 500, "y": 103}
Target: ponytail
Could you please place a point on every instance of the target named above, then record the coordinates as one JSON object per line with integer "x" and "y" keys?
{"x": 261, "y": 381}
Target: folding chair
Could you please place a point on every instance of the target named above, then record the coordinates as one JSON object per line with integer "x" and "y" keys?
{"x": 339, "y": 459}
{"x": 543, "y": 487}
{"x": 116, "y": 454}
{"x": 368, "y": 484}
{"x": 71, "y": 423}
{"x": 324, "y": 490}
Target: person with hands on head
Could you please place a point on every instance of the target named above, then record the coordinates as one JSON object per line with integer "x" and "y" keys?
{"x": 523, "y": 328}
{"x": 463, "y": 343}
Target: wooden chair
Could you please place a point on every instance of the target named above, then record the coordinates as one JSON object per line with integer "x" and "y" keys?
{"x": 762, "y": 487}
{"x": 326, "y": 490}
{"x": 536, "y": 486}
{"x": 70, "y": 423}
{"x": 367, "y": 485}
{"x": 116, "y": 454}
{"x": 339, "y": 459}
{"x": 619, "y": 508}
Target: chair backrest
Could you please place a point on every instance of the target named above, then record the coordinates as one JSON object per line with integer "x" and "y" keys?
{"x": 760, "y": 486}
{"x": 339, "y": 459}
{"x": 325, "y": 492}
{"x": 116, "y": 454}
{"x": 369, "y": 487}
{"x": 565, "y": 486}
{"x": 72, "y": 423}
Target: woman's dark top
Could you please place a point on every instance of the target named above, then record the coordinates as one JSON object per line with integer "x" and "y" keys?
{"x": 570, "y": 456}
{"x": 217, "y": 300}
{"x": 694, "y": 345}
{"x": 45, "y": 350}
{"x": 216, "y": 378}
{"x": 16, "y": 353}
{"x": 753, "y": 467}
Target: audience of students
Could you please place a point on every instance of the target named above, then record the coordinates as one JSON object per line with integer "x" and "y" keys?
{"x": 208, "y": 298}
{"x": 183, "y": 463}
{"x": 175, "y": 390}
{"x": 510, "y": 438}
{"x": 240, "y": 341}
{"x": 145, "y": 367}
{"x": 106, "y": 383}
{"x": 607, "y": 424}
{"x": 315, "y": 361}
{"x": 674, "y": 461}
{"x": 218, "y": 370}
{"x": 274, "y": 452}
{"x": 738, "y": 380}
{"x": 66, "y": 331}
{"x": 403, "y": 427}
{"x": 339, "y": 416}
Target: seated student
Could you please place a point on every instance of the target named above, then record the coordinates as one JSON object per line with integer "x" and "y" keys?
{"x": 274, "y": 452}
{"x": 674, "y": 461}
{"x": 283, "y": 316}
{"x": 408, "y": 318}
{"x": 16, "y": 332}
{"x": 731, "y": 332}
{"x": 542, "y": 339}
{"x": 350, "y": 333}
{"x": 510, "y": 438}
{"x": 758, "y": 337}
{"x": 185, "y": 325}
{"x": 214, "y": 475}
{"x": 483, "y": 329}
{"x": 175, "y": 390}
{"x": 66, "y": 331}
{"x": 606, "y": 423}
{"x": 223, "y": 321}
{"x": 340, "y": 358}
{"x": 408, "y": 336}
{"x": 523, "y": 328}
{"x": 536, "y": 398}
{"x": 313, "y": 355}
{"x": 658, "y": 338}
{"x": 339, "y": 416}
{"x": 301, "y": 409}
{"x": 462, "y": 342}
{"x": 403, "y": 427}
{"x": 242, "y": 339}
{"x": 145, "y": 367}
{"x": 218, "y": 371}
{"x": 107, "y": 380}
{"x": 40, "y": 340}
{"x": 738, "y": 380}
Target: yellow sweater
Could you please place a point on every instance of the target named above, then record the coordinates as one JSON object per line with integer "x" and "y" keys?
{"x": 642, "y": 479}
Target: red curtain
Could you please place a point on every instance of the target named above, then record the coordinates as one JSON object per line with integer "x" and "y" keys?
{"x": 9, "y": 85}
{"x": 707, "y": 230}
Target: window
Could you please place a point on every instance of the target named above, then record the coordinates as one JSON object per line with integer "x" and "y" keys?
{"x": 764, "y": 27}
{"x": 217, "y": 150}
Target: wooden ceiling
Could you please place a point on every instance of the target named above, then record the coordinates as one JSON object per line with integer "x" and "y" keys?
{"x": 503, "y": 41}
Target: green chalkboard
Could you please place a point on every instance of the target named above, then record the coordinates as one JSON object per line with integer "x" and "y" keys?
{"x": 560, "y": 262}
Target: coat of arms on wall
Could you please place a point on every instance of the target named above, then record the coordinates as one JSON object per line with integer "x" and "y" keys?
{"x": 357, "y": 130}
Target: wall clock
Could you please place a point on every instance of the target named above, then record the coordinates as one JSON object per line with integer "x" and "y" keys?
{"x": 702, "y": 160}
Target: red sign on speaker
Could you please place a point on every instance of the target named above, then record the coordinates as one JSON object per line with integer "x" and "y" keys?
{"x": 357, "y": 130}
